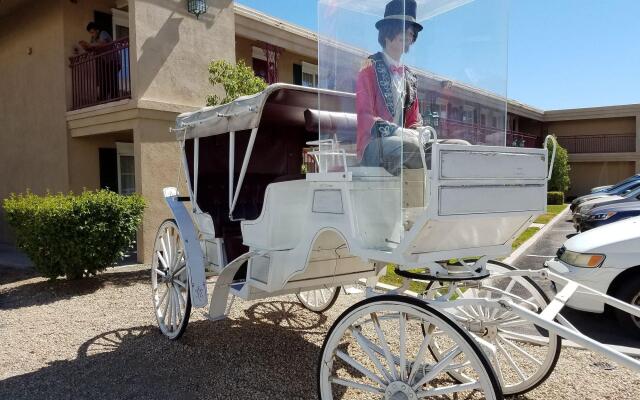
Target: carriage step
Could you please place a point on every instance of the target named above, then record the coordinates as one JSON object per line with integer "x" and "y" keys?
{"x": 237, "y": 286}
{"x": 352, "y": 290}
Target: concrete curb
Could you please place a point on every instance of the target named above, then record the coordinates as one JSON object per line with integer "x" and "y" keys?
{"x": 533, "y": 239}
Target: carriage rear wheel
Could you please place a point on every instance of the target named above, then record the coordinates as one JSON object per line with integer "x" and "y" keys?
{"x": 525, "y": 354}
{"x": 376, "y": 349}
{"x": 319, "y": 300}
{"x": 170, "y": 282}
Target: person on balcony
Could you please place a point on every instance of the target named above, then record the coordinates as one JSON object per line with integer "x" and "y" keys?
{"x": 107, "y": 61}
{"x": 387, "y": 95}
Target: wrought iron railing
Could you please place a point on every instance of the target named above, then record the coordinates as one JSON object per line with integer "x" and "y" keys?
{"x": 475, "y": 133}
{"x": 598, "y": 143}
{"x": 101, "y": 76}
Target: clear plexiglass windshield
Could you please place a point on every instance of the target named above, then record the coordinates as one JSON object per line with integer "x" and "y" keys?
{"x": 417, "y": 71}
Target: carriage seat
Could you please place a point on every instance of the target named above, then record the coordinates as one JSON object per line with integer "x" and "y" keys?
{"x": 341, "y": 124}
{"x": 281, "y": 223}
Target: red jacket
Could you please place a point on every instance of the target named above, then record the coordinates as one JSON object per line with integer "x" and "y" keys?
{"x": 375, "y": 105}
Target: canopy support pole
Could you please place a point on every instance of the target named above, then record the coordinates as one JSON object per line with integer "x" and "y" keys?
{"x": 196, "y": 169}
{"x": 243, "y": 171}
{"x": 232, "y": 159}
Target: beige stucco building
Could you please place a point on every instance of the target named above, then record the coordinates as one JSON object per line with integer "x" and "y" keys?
{"x": 60, "y": 133}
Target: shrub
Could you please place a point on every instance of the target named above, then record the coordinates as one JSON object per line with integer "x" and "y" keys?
{"x": 74, "y": 236}
{"x": 560, "y": 180}
{"x": 237, "y": 80}
{"x": 555, "y": 198}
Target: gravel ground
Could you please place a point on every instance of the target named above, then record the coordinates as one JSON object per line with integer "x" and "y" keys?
{"x": 97, "y": 339}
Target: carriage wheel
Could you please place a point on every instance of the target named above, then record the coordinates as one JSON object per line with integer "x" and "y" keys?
{"x": 525, "y": 354}
{"x": 376, "y": 349}
{"x": 170, "y": 281}
{"x": 319, "y": 300}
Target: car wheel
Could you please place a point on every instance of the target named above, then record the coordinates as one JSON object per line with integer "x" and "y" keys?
{"x": 629, "y": 293}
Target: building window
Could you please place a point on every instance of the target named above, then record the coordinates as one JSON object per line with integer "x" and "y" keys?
{"x": 309, "y": 75}
{"x": 259, "y": 63}
{"x": 126, "y": 168}
{"x": 467, "y": 114}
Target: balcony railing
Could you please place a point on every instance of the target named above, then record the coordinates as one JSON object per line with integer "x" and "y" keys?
{"x": 101, "y": 76}
{"x": 475, "y": 133}
{"x": 598, "y": 143}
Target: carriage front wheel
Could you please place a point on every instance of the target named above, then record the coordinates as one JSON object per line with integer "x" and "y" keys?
{"x": 525, "y": 353}
{"x": 170, "y": 282}
{"x": 376, "y": 349}
{"x": 319, "y": 300}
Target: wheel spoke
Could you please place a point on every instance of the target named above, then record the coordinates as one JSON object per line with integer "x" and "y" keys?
{"x": 180, "y": 269}
{"x": 161, "y": 273}
{"x": 469, "y": 316}
{"x": 355, "y": 385}
{"x": 364, "y": 371}
{"x": 362, "y": 342}
{"x": 166, "y": 305}
{"x": 421, "y": 353}
{"x": 449, "y": 389}
{"x": 514, "y": 323}
{"x": 180, "y": 283}
{"x": 513, "y": 364}
{"x": 169, "y": 314}
{"x": 162, "y": 260}
{"x": 403, "y": 346}
{"x": 438, "y": 367}
{"x": 166, "y": 248}
{"x": 510, "y": 286}
{"x": 384, "y": 344}
{"x": 164, "y": 296}
{"x": 176, "y": 303}
{"x": 539, "y": 340}
{"x": 518, "y": 349}
{"x": 181, "y": 301}
{"x": 322, "y": 296}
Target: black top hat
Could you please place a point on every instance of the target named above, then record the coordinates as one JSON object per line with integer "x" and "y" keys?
{"x": 400, "y": 10}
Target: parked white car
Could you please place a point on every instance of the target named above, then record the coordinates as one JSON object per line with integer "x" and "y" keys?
{"x": 606, "y": 259}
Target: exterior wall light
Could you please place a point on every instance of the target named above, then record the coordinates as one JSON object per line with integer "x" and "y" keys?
{"x": 197, "y": 7}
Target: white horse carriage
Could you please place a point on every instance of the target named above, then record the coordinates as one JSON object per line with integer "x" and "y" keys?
{"x": 285, "y": 197}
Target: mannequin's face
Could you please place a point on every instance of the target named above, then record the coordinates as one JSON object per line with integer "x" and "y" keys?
{"x": 401, "y": 43}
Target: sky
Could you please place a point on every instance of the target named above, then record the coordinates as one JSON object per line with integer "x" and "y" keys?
{"x": 561, "y": 53}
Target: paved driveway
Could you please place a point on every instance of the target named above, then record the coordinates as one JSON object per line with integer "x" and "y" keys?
{"x": 600, "y": 327}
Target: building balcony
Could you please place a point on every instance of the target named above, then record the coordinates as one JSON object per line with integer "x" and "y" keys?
{"x": 102, "y": 76}
{"x": 476, "y": 133}
{"x": 598, "y": 143}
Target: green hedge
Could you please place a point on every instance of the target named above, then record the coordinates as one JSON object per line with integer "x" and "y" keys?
{"x": 555, "y": 198}
{"x": 74, "y": 235}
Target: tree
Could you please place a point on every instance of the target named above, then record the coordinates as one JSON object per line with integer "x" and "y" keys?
{"x": 236, "y": 80}
{"x": 560, "y": 180}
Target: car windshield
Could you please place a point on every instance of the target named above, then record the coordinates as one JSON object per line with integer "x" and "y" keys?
{"x": 624, "y": 189}
{"x": 634, "y": 192}
{"x": 625, "y": 182}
